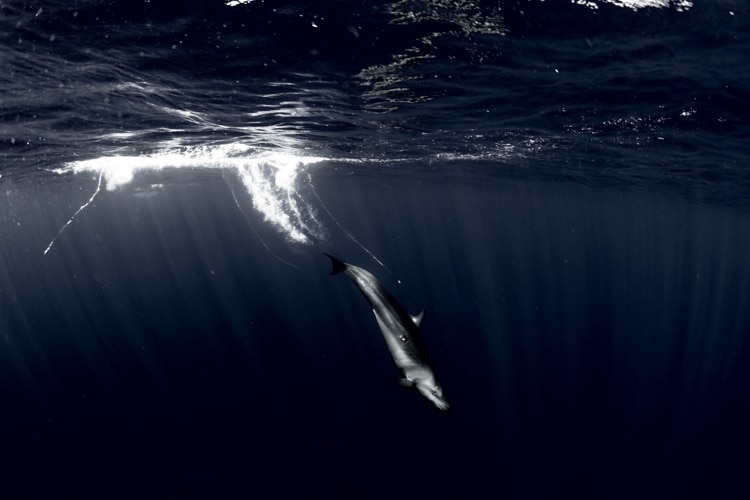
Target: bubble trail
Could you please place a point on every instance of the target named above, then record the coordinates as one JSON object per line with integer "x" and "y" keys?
{"x": 350, "y": 235}
{"x": 98, "y": 188}
{"x": 265, "y": 245}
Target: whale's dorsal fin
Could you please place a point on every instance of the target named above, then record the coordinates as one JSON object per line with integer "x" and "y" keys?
{"x": 418, "y": 318}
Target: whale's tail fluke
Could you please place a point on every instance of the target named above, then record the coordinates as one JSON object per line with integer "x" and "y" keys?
{"x": 338, "y": 266}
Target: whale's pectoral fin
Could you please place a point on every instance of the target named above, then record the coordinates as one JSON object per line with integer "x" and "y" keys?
{"x": 405, "y": 382}
{"x": 418, "y": 318}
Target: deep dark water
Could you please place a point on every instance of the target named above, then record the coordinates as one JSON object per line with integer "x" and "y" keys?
{"x": 590, "y": 341}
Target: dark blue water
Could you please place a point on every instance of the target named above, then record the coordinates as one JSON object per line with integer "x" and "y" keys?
{"x": 563, "y": 186}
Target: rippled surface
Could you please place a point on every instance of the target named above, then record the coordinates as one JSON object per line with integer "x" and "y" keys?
{"x": 632, "y": 94}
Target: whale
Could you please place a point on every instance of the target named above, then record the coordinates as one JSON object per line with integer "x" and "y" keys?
{"x": 401, "y": 331}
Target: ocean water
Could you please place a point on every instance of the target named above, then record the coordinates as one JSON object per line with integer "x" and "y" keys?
{"x": 563, "y": 186}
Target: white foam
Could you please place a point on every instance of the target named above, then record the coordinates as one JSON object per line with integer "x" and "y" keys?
{"x": 679, "y": 5}
{"x": 271, "y": 179}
